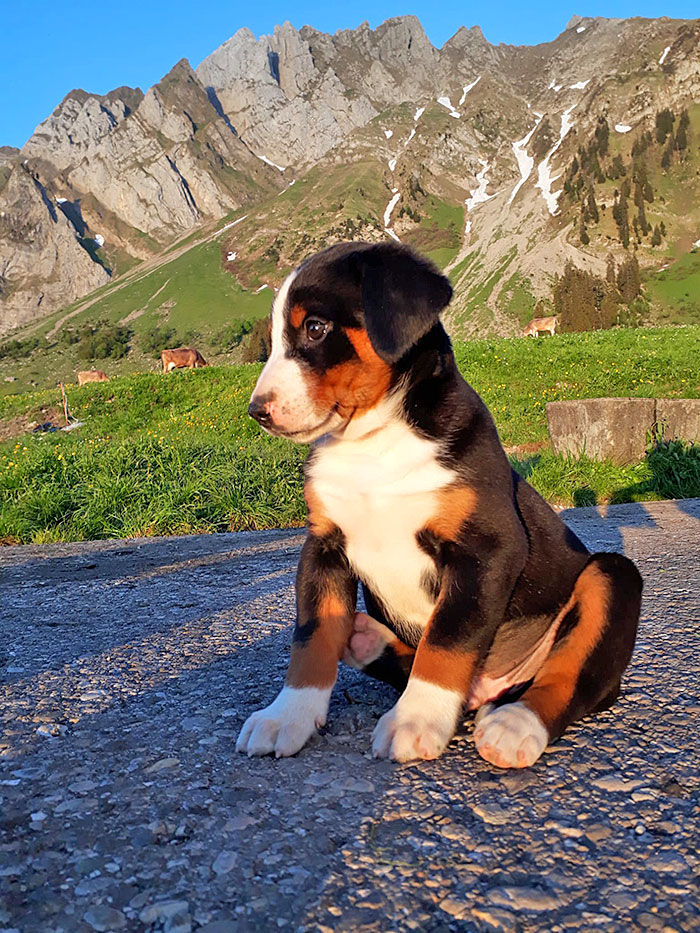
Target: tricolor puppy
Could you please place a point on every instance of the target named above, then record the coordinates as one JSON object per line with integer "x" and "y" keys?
{"x": 477, "y": 594}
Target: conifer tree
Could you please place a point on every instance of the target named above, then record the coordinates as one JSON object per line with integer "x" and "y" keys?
{"x": 602, "y": 135}
{"x": 667, "y": 156}
{"x": 611, "y": 272}
{"x": 582, "y": 232}
{"x": 664, "y": 125}
{"x": 591, "y": 206}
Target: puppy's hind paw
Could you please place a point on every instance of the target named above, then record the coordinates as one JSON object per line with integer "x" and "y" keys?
{"x": 509, "y": 736}
{"x": 367, "y": 641}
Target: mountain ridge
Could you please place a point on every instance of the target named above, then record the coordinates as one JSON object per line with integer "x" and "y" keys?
{"x": 130, "y": 172}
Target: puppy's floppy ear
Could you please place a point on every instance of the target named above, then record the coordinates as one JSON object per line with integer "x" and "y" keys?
{"x": 402, "y": 297}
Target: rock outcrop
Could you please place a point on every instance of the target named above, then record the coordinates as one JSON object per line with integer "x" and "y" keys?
{"x": 42, "y": 262}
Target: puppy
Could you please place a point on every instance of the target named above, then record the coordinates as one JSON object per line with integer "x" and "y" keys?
{"x": 477, "y": 594}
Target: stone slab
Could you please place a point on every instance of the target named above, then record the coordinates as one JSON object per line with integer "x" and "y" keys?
{"x": 601, "y": 428}
{"x": 679, "y": 418}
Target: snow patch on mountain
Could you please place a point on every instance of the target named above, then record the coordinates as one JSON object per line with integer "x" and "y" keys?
{"x": 622, "y": 128}
{"x": 233, "y": 223}
{"x": 412, "y": 134}
{"x": 580, "y": 29}
{"x": 544, "y": 173}
{"x": 392, "y": 164}
{"x": 579, "y": 86}
{"x": 388, "y": 212}
{"x": 525, "y": 162}
{"x": 270, "y": 162}
{"x": 388, "y": 133}
{"x": 665, "y": 52}
{"x": 445, "y": 102}
{"x": 418, "y": 114}
{"x": 478, "y": 195}
{"x": 466, "y": 89}
{"x": 230, "y": 256}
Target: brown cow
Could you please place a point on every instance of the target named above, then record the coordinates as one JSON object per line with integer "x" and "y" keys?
{"x": 538, "y": 324}
{"x": 92, "y": 375}
{"x": 182, "y": 358}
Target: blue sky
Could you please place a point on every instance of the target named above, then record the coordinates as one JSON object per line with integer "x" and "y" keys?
{"x": 46, "y": 49}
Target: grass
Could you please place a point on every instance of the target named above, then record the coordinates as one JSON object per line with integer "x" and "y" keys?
{"x": 517, "y": 298}
{"x": 439, "y": 233}
{"x": 475, "y": 307}
{"x": 192, "y": 288}
{"x": 191, "y": 291}
{"x": 676, "y": 290}
{"x": 517, "y": 377}
{"x": 178, "y": 454}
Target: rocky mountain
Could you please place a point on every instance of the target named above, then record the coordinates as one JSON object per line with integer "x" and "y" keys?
{"x": 467, "y": 151}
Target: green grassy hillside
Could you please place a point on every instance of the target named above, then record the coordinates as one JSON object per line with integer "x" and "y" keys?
{"x": 178, "y": 453}
{"x": 675, "y": 290}
{"x": 192, "y": 294}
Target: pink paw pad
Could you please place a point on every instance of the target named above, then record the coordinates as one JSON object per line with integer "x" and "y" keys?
{"x": 367, "y": 642}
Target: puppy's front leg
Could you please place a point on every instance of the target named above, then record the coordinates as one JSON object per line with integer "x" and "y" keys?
{"x": 477, "y": 580}
{"x": 326, "y": 598}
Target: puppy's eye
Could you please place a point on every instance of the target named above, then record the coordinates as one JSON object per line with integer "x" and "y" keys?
{"x": 316, "y": 330}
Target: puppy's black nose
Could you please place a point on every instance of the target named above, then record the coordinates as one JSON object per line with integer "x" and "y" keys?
{"x": 258, "y": 410}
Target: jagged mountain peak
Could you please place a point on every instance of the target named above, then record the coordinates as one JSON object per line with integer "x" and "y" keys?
{"x": 486, "y": 129}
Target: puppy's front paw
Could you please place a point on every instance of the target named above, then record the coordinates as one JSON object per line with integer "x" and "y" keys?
{"x": 287, "y": 724}
{"x": 420, "y": 725}
{"x": 510, "y": 736}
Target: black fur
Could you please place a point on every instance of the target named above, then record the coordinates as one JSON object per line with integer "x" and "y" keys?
{"x": 385, "y": 287}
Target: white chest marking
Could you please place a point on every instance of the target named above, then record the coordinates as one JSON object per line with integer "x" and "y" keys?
{"x": 381, "y": 490}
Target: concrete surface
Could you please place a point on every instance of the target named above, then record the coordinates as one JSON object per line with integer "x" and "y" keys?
{"x": 618, "y": 428}
{"x": 129, "y": 667}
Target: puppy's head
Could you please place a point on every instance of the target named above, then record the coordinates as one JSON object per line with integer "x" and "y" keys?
{"x": 341, "y": 323}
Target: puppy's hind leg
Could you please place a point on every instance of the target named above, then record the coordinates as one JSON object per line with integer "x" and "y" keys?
{"x": 581, "y": 674}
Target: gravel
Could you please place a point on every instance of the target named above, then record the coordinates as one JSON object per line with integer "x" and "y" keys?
{"x": 127, "y": 668}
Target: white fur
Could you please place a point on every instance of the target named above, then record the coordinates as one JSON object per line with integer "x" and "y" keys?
{"x": 510, "y": 736}
{"x": 282, "y": 377}
{"x": 287, "y": 724}
{"x": 283, "y": 380}
{"x": 379, "y": 485}
{"x": 420, "y": 724}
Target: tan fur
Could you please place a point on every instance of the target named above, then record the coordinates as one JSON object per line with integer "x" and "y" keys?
{"x": 356, "y": 385}
{"x": 456, "y": 504}
{"x": 319, "y": 523}
{"x": 538, "y": 324}
{"x": 451, "y": 670}
{"x": 314, "y": 662}
{"x": 297, "y": 315}
{"x": 92, "y": 375}
{"x": 556, "y": 680}
{"x": 182, "y": 358}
